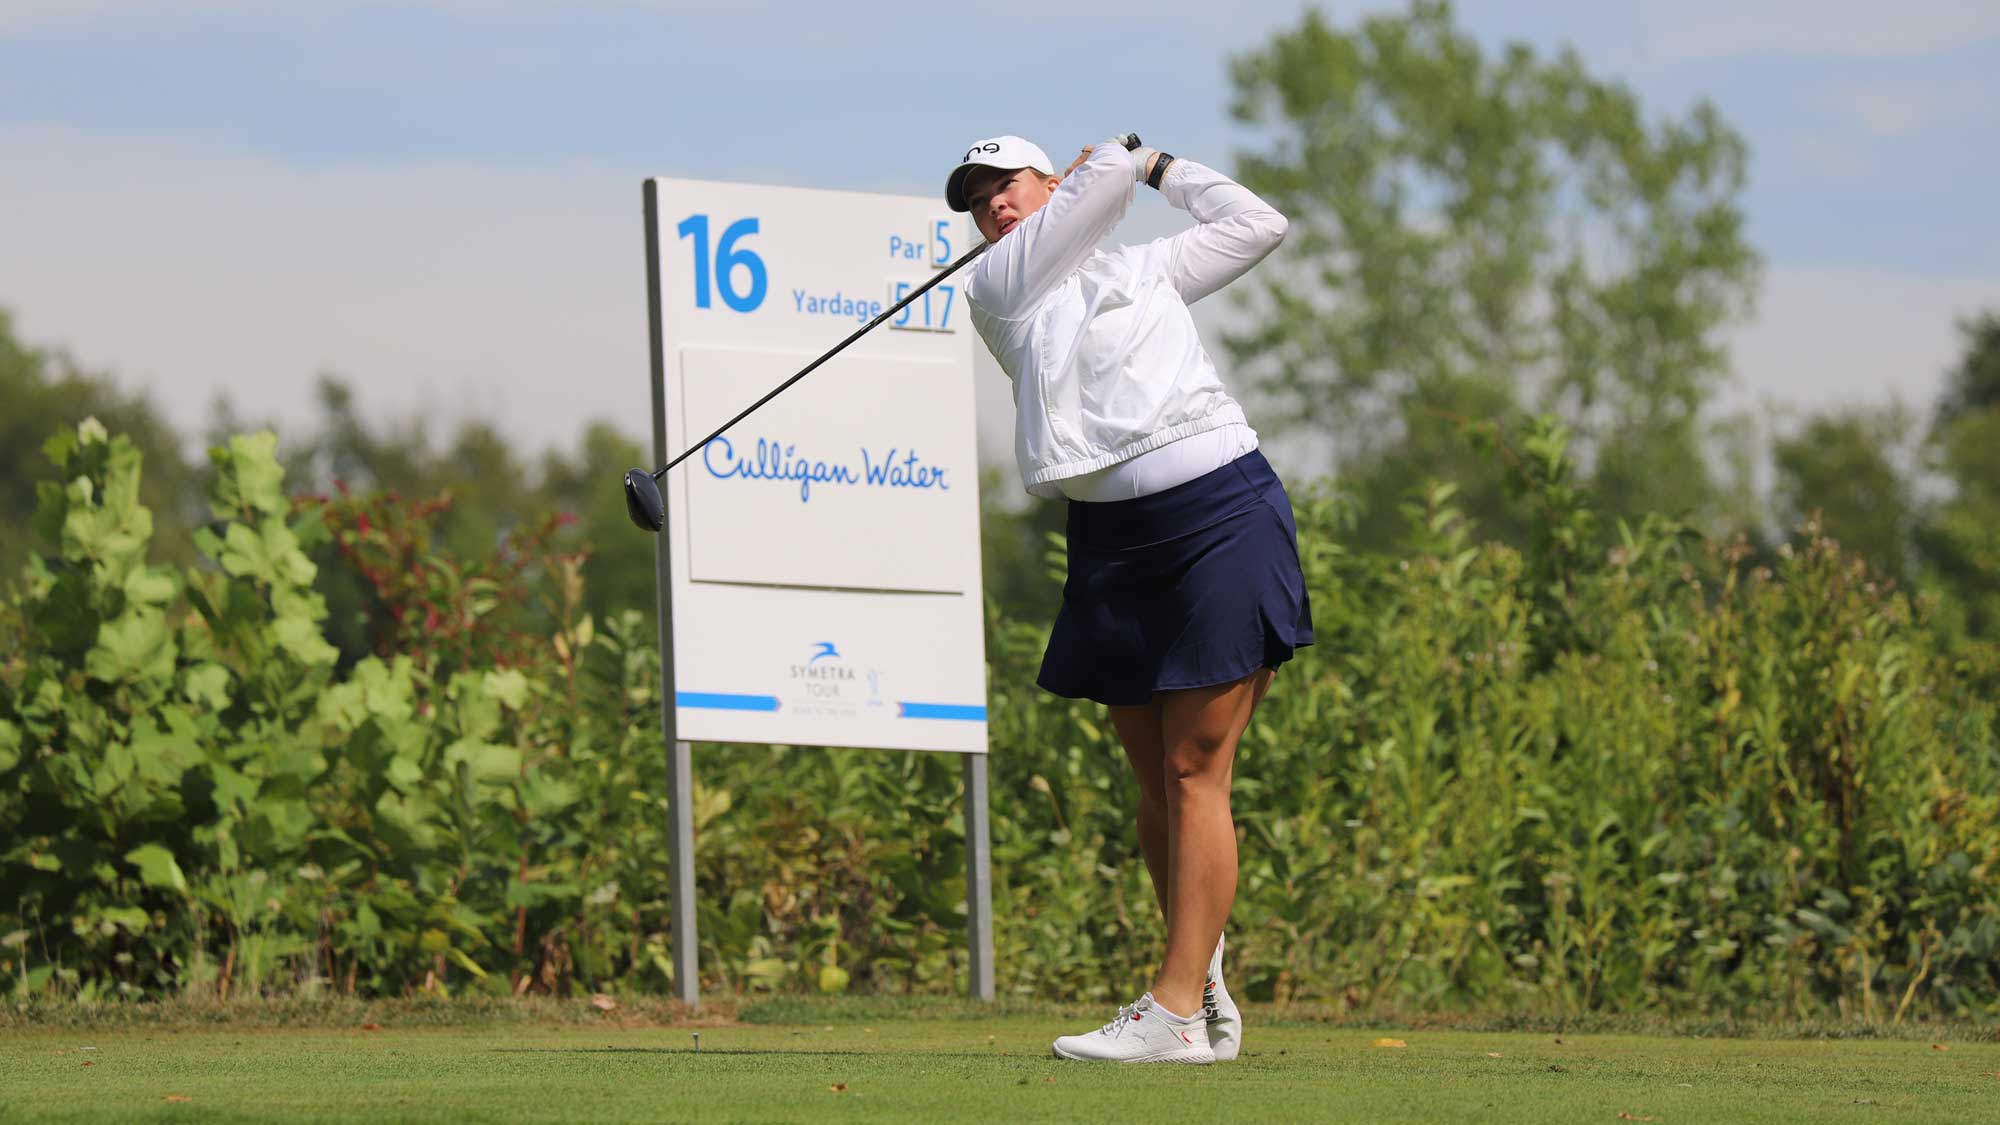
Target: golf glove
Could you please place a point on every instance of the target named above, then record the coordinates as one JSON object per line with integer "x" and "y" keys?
{"x": 1141, "y": 157}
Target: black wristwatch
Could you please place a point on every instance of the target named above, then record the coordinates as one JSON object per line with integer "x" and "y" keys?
{"x": 1159, "y": 170}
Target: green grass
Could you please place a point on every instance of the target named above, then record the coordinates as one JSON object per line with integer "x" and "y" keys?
{"x": 955, "y": 1068}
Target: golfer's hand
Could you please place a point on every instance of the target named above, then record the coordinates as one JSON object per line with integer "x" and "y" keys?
{"x": 1123, "y": 140}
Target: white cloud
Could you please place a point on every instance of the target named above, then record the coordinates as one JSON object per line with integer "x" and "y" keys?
{"x": 1702, "y": 29}
{"x": 1890, "y": 109}
{"x": 1857, "y": 122}
{"x": 855, "y": 15}
{"x": 1670, "y": 29}
{"x": 18, "y": 14}
{"x": 1831, "y": 336}
{"x": 515, "y": 294}
{"x": 459, "y": 291}
{"x": 1838, "y": 157}
{"x": 967, "y": 29}
{"x": 454, "y": 291}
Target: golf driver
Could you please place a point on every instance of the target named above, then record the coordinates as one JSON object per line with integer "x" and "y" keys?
{"x": 642, "y": 489}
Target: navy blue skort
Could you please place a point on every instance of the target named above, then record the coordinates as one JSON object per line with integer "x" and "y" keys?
{"x": 1195, "y": 586}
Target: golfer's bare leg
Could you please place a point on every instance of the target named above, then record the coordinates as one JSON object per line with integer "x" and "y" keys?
{"x": 1139, "y": 730}
{"x": 1199, "y": 729}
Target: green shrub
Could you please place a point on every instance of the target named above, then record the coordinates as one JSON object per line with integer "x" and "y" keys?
{"x": 1621, "y": 771}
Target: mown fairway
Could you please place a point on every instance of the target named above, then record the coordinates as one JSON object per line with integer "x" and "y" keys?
{"x": 960, "y": 1069}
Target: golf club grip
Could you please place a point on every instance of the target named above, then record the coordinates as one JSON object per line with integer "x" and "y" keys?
{"x": 1130, "y": 141}
{"x": 892, "y": 310}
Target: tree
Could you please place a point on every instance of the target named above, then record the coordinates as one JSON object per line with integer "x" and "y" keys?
{"x": 1961, "y": 539}
{"x": 1848, "y": 469}
{"x": 490, "y": 493}
{"x": 620, "y": 572}
{"x": 45, "y": 391}
{"x": 1020, "y": 552}
{"x": 1474, "y": 234}
{"x": 1974, "y": 385}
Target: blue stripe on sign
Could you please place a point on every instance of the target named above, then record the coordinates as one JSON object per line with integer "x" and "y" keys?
{"x": 941, "y": 711}
{"x": 717, "y": 701}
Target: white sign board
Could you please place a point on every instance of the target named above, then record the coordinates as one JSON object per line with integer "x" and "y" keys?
{"x": 824, "y": 552}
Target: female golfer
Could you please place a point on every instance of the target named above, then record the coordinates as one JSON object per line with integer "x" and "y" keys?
{"x": 1184, "y": 591}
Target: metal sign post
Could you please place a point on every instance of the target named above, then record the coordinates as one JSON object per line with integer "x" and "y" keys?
{"x": 978, "y": 882}
{"x": 680, "y": 779}
{"x": 818, "y": 572}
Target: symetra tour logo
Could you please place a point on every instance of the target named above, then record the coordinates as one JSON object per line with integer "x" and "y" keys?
{"x": 825, "y": 672}
{"x": 831, "y": 685}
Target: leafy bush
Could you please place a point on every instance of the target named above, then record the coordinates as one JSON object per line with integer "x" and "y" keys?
{"x": 1617, "y": 771}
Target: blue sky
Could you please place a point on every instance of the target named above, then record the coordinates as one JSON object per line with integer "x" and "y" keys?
{"x": 213, "y": 198}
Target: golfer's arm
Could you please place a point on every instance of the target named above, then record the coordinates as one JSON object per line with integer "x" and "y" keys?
{"x": 1050, "y": 244}
{"x": 1237, "y": 229}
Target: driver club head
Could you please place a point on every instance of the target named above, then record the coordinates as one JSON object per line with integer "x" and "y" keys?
{"x": 642, "y": 500}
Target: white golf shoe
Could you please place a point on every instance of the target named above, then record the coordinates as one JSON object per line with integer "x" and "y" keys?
{"x": 1141, "y": 1032}
{"x": 1225, "y": 1022}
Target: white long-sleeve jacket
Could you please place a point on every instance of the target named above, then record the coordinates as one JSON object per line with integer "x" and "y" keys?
{"x": 1100, "y": 346}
